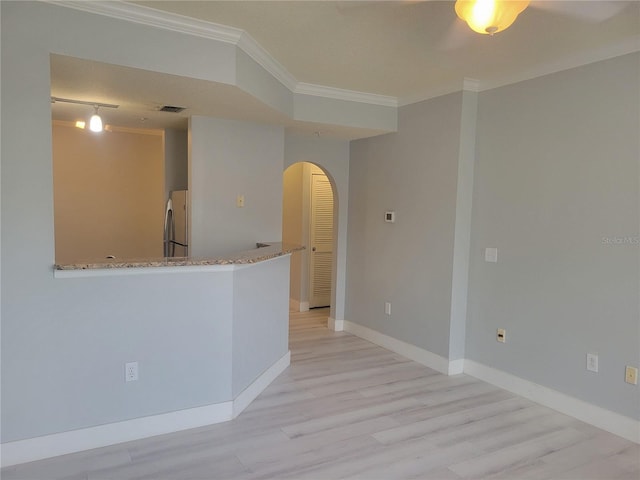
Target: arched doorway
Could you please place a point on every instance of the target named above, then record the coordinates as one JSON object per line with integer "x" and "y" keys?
{"x": 309, "y": 220}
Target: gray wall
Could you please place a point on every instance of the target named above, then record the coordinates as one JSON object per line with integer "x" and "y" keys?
{"x": 228, "y": 158}
{"x": 64, "y": 349}
{"x": 408, "y": 263}
{"x": 260, "y": 319}
{"x": 293, "y": 226}
{"x": 554, "y": 167}
{"x": 65, "y": 341}
{"x": 557, "y": 175}
{"x": 176, "y": 161}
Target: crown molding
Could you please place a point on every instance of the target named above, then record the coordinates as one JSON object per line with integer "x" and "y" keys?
{"x": 471, "y": 85}
{"x": 263, "y": 58}
{"x": 630, "y": 45}
{"x": 241, "y": 39}
{"x": 222, "y": 33}
{"x": 187, "y": 25}
{"x": 428, "y": 95}
{"x": 348, "y": 95}
{"x": 155, "y": 18}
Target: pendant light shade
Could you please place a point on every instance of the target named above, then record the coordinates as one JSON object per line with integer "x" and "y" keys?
{"x": 95, "y": 123}
{"x": 489, "y": 16}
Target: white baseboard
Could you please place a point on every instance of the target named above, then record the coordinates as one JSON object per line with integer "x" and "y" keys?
{"x": 456, "y": 367}
{"x": 412, "y": 352}
{"x": 612, "y": 422}
{"x": 29, "y": 450}
{"x": 298, "y": 306}
{"x": 249, "y": 394}
{"x": 37, "y": 448}
{"x": 294, "y": 305}
{"x": 335, "y": 325}
{"x": 615, "y": 423}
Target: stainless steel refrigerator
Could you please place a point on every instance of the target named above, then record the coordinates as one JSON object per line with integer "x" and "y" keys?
{"x": 176, "y": 240}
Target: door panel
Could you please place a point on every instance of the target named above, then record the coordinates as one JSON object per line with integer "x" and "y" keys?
{"x": 321, "y": 239}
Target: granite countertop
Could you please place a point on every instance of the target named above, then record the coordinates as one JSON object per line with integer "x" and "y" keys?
{"x": 265, "y": 251}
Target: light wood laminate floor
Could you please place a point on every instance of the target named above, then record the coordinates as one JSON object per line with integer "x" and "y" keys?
{"x": 346, "y": 408}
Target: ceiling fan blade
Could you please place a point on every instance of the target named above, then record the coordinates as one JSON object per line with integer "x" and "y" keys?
{"x": 589, "y": 11}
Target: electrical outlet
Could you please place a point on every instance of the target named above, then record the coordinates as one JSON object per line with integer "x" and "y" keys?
{"x": 631, "y": 375}
{"x": 501, "y": 335}
{"x": 387, "y": 308}
{"x": 592, "y": 362}
{"x": 240, "y": 201}
{"x": 131, "y": 372}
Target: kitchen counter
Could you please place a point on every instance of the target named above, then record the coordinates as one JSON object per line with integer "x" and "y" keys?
{"x": 264, "y": 251}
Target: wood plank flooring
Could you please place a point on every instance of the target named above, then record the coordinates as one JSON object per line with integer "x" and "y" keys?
{"x": 346, "y": 408}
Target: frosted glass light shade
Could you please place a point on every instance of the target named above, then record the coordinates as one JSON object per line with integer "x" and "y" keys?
{"x": 489, "y": 16}
{"x": 95, "y": 124}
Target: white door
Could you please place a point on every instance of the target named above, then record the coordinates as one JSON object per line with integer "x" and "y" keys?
{"x": 321, "y": 240}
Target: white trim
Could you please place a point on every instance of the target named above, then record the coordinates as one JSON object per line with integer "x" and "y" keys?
{"x": 471, "y": 85}
{"x": 249, "y": 394}
{"x": 436, "y": 92}
{"x": 342, "y": 94}
{"x": 294, "y": 305}
{"x": 335, "y": 325}
{"x": 23, "y": 451}
{"x": 298, "y": 306}
{"x": 615, "y": 423}
{"x": 456, "y": 367}
{"x": 625, "y": 47}
{"x": 156, "y": 18}
{"x": 263, "y": 58}
{"x": 412, "y": 352}
{"x": 47, "y": 446}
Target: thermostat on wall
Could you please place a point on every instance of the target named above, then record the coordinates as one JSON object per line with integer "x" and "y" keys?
{"x": 390, "y": 217}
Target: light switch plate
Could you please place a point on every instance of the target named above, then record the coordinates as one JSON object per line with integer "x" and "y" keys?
{"x": 491, "y": 255}
{"x": 592, "y": 362}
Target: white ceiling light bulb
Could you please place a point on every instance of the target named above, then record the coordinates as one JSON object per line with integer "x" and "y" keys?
{"x": 95, "y": 123}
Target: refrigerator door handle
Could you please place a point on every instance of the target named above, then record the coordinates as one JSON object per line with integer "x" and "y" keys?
{"x": 168, "y": 222}
{"x": 172, "y": 235}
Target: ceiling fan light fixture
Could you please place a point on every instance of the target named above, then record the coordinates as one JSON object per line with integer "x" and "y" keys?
{"x": 489, "y": 16}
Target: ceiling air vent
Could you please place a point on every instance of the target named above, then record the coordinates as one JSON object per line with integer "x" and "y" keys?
{"x": 172, "y": 109}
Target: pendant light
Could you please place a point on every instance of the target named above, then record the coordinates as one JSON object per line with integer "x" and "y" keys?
{"x": 95, "y": 123}
{"x": 489, "y": 16}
